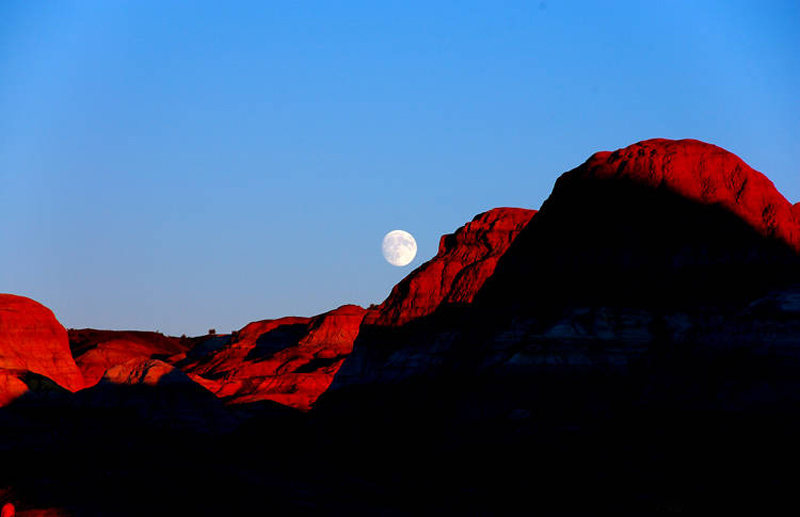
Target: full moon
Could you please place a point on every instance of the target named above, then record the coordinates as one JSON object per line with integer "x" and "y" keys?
{"x": 399, "y": 248}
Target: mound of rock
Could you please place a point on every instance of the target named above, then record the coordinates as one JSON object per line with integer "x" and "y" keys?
{"x": 659, "y": 223}
{"x": 96, "y": 351}
{"x": 32, "y": 340}
{"x": 289, "y": 360}
{"x": 466, "y": 258}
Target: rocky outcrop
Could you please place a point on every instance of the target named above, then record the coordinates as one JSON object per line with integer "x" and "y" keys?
{"x": 252, "y": 340}
{"x": 96, "y": 351}
{"x": 466, "y": 258}
{"x": 145, "y": 372}
{"x": 290, "y": 360}
{"x": 661, "y": 222}
{"x": 699, "y": 172}
{"x": 35, "y": 387}
{"x": 31, "y": 339}
{"x": 12, "y": 386}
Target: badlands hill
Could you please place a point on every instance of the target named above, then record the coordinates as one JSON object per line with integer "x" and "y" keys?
{"x": 631, "y": 347}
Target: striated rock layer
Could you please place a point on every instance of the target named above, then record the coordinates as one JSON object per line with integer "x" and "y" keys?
{"x": 466, "y": 258}
{"x": 31, "y": 339}
{"x": 145, "y": 372}
{"x": 289, "y": 360}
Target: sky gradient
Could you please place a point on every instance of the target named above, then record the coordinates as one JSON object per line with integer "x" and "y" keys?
{"x": 180, "y": 166}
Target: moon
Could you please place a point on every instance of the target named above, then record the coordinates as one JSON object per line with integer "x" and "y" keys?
{"x": 399, "y": 248}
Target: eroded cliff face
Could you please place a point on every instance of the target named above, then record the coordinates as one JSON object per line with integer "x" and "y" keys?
{"x": 32, "y": 340}
{"x": 466, "y": 258}
{"x": 290, "y": 360}
{"x": 254, "y": 340}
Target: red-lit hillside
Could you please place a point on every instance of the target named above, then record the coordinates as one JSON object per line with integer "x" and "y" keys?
{"x": 699, "y": 172}
{"x": 96, "y": 351}
{"x": 666, "y": 222}
{"x": 32, "y": 340}
{"x": 466, "y": 258}
{"x": 289, "y": 360}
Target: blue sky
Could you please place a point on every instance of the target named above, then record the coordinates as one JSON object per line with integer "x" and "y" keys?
{"x": 178, "y": 166}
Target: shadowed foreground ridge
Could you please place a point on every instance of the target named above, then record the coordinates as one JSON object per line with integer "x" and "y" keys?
{"x": 631, "y": 348}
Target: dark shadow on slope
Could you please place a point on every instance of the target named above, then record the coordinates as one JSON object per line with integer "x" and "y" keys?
{"x": 318, "y": 363}
{"x": 612, "y": 242}
{"x": 683, "y": 428}
{"x": 203, "y": 347}
{"x": 115, "y": 449}
{"x": 277, "y": 339}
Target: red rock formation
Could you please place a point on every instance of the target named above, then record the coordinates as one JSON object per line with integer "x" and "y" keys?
{"x": 703, "y": 173}
{"x": 290, "y": 360}
{"x": 662, "y": 222}
{"x": 144, "y": 372}
{"x": 658, "y": 225}
{"x": 96, "y": 351}
{"x": 11, "y": 386}
{"x": 31, "y": 339}
{"x": 227, "y": 359}
{"x": 465, "y": 260}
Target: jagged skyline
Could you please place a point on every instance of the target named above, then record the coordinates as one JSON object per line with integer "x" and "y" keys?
{"x": 180, "y": 167}
{"x": 641, "y": 327}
